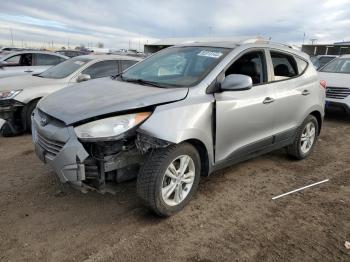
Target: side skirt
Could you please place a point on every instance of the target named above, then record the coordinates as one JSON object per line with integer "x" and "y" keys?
{"x": 278, "y": 141}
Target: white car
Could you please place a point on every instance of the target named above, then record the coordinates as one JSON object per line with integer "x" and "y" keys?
{"x": 19, "y": 95}
{"x": 336, "y": 75}
{"x": 28, "y": 62}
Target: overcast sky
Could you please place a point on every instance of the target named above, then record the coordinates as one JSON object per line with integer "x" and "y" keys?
{"x": 116, "y": 23}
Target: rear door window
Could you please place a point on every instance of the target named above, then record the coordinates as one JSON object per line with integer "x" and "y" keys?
{"x": 102, "y": 69}
{"x": 284, "y": 65}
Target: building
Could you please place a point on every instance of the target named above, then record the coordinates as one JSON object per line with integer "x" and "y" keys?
{"x": 340, "y": 48}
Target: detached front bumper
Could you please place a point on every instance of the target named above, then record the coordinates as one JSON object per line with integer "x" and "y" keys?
{"x": 10, "y": 115}
{"x": 58, "y": 146}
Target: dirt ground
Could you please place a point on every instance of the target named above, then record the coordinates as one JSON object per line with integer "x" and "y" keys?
{"x": 231, "y": 218}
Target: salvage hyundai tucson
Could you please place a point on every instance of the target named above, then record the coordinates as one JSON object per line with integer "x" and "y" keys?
{"x": 182, "y": 113}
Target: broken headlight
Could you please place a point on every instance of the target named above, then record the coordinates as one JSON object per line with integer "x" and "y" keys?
{"x": 9, "y": 94}
{"x": 110, "y": 128}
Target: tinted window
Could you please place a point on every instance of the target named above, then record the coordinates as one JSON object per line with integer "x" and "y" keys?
{"x": 45, "y": 59}
{"x": 339, "y": 65}
{"x": 177, "y": 66}
{"x": 102, "y": 69}
{"x": 65, "y": 68}
{"x": 324, "y": 60}
{"x": 251, "y": 64}
{"x": 127, "y": 63}
{"x": 284, "y": 66}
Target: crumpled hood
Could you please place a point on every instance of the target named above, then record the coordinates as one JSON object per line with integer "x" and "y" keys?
{"x": 335, "y": 79}
{"x": 104, "y": 96}
{"x": 24, "y": 82}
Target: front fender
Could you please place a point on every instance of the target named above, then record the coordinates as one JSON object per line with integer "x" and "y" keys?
{"x": 184, "y": 120}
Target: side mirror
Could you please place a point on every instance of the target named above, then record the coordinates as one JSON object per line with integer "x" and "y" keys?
{"x": 236, "y": 82}
{"x": 83, "y": 77}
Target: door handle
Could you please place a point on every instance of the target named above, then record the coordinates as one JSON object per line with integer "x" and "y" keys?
{"x": 268, "y": 100}
{"x": 28, "y": 71}
{"x": 305, "y": 92}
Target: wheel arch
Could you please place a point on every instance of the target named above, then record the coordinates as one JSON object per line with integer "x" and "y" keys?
{"x": 317, "y": 114}
{"x": 203, "y": 153}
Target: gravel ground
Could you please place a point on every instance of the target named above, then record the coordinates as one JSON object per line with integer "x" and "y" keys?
{"x": 231, "y": 218}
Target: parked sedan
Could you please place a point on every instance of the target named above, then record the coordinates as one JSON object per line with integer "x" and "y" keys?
{"x": 28, "y": 62}
{"x": 19, "y": 95}
{"x": 336, "y": 75}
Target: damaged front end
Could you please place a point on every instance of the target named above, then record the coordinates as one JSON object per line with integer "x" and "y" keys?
{"x": 87, "y": 164}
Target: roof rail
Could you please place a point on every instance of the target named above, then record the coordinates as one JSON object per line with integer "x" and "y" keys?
{"x": 260, "y": 40}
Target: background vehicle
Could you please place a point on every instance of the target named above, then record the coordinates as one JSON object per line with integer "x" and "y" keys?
{"x": 72, "y": 53}
{"x": 184, "y": 112}
{"x": 321, "y": 60}
{"x": 19, "y": 95}
{"x": 28, "y": 62}
{"x": 337, "y": 77}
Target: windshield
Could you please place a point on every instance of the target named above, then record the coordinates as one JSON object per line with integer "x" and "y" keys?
{"x": 176, "y": 66}
{"x": 339, "y": 65}
{"x": 65, "y": 68}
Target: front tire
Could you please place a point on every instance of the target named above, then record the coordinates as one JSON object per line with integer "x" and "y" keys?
{"x": 169, "y": 178}
{"x": 305, "y": 139}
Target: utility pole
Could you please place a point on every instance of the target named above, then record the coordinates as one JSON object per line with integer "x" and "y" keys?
{"x": 304, "y": 37}
{"x": 11, "y": 37}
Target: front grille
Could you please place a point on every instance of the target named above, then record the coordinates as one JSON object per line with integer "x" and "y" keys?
{"x": 337, "y": 92}
{"x": 6, "y": 103}
{"x": 51, "y": 147}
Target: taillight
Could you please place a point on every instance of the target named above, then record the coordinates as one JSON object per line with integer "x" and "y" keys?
{"x": 323, "y": 83}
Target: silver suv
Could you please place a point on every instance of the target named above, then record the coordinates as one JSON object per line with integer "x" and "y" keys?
{"x": 182, "y": 113}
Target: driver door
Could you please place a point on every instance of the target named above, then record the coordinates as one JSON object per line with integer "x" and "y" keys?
{"x": 245, "y": 119}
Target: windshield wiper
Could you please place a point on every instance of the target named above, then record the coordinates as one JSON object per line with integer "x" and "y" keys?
{"x": 142, "y": 82}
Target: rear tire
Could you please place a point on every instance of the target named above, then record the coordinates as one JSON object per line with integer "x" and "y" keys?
{"x": 305, "y": 139}
{"x": 169, "y": 178}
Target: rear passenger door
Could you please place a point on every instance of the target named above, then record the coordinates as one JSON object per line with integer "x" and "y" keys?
{"x": 293, "y": 92}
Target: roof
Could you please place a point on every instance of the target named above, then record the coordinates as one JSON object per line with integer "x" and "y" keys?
{"x": 345, "y": 56}
{"x": 193, "y": 40}
{"x": 109, "y": 57}
{"x": 34, "y": 52}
